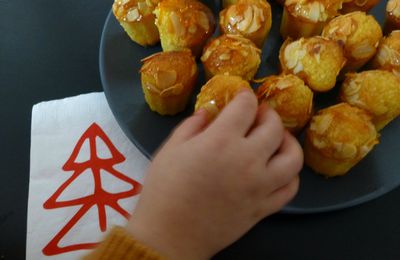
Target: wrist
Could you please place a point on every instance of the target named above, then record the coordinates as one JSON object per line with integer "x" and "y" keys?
{"x": 165, "y": 240}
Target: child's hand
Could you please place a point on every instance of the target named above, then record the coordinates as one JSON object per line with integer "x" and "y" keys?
{"x": 209, "y": 184}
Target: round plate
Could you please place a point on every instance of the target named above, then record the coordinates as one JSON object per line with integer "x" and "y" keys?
{"x": 120, "y": 58}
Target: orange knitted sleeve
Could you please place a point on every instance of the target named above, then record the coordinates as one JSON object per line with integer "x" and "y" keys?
{"x": 118, "y": 244}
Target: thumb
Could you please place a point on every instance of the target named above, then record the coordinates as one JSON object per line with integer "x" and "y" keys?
{"x": 190, "y": 127}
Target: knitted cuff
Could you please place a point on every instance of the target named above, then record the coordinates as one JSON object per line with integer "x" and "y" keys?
{"x": 118, "y": 244}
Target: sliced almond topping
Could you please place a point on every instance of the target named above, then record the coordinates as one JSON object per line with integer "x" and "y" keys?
{"x": 314, "y": 11}
{"x": 165, "y": 78}
{"x": 361, "y": 2}
{"x": 290, "y": 54}
{"x": 233, "y": 16}
{"x": 351, "y": 89}
{"x": 383, "y": 55}
{"x": 124, "y": 2}
{"x": 176, "y": 24}
{"x": 206, "y": 55}
{"x": 284, "y": 83}
{"x": 299, "y": 67}
{"x": 345, "y": 150}
{"x": 320, "y": 144}
{"x": 120, "y": 11}
{"x": 364, "y": 150}
{"x": 322, "y": 123}
{"x": 151, "y": 87}
{"x": 224, "y": 56}
{"x": 151, "y": 56}
{"x": 333, "y": 29}
{"x": 174, "y": 90}
{"x": 247, "y": 18}
{"x": 363, "y": 50}
{"x": 391, "y": 6}
{"x": 256, "y": 20}
{"x": 133, "y": 15}
{"x": 203, "y": 21}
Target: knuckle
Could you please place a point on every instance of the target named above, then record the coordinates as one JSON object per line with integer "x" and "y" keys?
{"x": 275, "y": 119}
{"x": 293, "y": 188}
{"x": 249, "y": 101}
{"x": 297, "y": 157}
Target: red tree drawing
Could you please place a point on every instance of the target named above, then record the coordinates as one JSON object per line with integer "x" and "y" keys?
{"x": 100, "y": 198}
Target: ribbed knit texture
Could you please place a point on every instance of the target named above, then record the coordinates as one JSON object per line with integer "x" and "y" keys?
{"x": 118, "y": 244}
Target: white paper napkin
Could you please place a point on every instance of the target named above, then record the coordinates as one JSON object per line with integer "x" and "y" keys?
{"x": 85, "y": 176}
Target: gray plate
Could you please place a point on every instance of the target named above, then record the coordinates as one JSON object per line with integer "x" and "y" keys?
{"x": 120, "y": 59}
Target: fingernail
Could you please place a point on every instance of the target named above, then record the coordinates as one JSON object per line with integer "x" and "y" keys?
{"x": 199, "y": 111}
{"x": 244, "y": 90}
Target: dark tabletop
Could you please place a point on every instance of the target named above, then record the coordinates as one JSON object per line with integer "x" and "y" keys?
{"x": 49, "y": 50}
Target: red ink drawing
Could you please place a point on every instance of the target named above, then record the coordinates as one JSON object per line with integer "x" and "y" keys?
{"x": 100, "y": 198}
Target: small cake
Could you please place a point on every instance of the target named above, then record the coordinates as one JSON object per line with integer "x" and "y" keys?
{"x": 360, "y": 35}
{"x": 249, "y": 18}
{"x": 231, "y": 55}
{"x": 168, "y": 79}
{"x": 375, "y": 91}
{"x": 337, "y": 138}
{"x": 388, "y": 55}
{"x": 392, "y": 15}
{"x": 315, "y": 60}
{"x": 218, "y": 92}
{"x": 137, "y": 19}
{"x": 184, "y": 24}
{"x": 290, "y": 98}
{"x": 358, "y": 5}
{"x": 305, "y": 18}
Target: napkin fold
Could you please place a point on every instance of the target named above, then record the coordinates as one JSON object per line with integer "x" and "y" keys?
{"x": 85, "y": 176}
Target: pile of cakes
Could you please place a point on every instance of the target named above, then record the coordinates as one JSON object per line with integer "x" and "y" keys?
{"x": 324, "y": 42}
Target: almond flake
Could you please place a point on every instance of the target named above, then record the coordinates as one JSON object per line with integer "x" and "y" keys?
{"x": 165, "y": 78}
{"x": 133, "y": 15}
{"x": 224, "y": 56}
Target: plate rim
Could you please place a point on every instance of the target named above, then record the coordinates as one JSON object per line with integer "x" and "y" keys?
{"x": 285, "y": 210}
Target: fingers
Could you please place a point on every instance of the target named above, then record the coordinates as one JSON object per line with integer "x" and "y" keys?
{"x": 190, "y": 127}
{"x": 279, "y": 198}
{"x": 267, "y": 132}
{"x": 238, "y": 116}
{"x": 285, "y": 164}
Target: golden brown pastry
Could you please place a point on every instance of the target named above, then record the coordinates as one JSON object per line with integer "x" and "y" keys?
{"x": 360, "y": 35}
{"x": 137, "y": 19}
{"x": 218, "y": 92}
{"x": 388, "y": 55}
{"x": 290, "y": 98}
{"x": 168, "y": 79}
{"x": 249, "y": 18}
{"x": 231, "y": 55}
{"x": 226, "y": 3}
{"x": 375, "y": 91}
{"x": 392, "y": 15}
{"x": 316, "y": 60}
{"x": 337, "y": 138}
{"x": 184, "y": 24}
{"x": 305, "y": 18}
{"x": 358, "y": 5}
